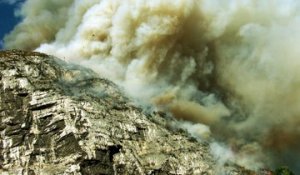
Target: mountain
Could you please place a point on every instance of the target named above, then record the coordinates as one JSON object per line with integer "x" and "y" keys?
{"x": 61, "y": 118}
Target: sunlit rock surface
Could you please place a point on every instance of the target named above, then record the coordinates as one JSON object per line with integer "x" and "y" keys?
{"x": 58, "y": 118}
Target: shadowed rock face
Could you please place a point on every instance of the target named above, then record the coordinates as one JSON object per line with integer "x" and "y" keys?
{"x": 58, "y": 118}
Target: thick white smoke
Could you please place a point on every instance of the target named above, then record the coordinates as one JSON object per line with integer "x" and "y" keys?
{"x": 230, "y": 64}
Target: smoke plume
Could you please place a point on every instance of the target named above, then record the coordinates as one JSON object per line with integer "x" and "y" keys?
{"x": 232, "y": 65}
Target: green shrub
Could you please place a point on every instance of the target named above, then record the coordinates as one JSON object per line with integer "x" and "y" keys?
{"x": 283, "y": 171}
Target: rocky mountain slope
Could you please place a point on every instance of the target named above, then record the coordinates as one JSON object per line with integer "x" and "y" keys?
{"x": 59, "y": 118}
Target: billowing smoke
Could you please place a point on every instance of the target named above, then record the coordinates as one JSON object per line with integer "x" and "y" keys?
{"x": 232, "y": 65}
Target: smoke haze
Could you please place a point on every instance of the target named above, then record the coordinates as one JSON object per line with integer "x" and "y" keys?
{"x": 232, "y": 65}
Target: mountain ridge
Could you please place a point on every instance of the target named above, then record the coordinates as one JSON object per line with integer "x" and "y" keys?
{"x": 61, "y": 118}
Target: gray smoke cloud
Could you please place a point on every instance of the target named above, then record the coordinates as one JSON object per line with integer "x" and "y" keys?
{"x": 229, "y": 64}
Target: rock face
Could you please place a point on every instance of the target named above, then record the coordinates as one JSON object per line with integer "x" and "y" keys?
{"x": 58, "y": 118}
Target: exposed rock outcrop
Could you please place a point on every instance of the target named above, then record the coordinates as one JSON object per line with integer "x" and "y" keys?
{"x": 59, "y": 118}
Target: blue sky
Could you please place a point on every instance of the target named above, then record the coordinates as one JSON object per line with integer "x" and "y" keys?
{"x": 7, "y": 17}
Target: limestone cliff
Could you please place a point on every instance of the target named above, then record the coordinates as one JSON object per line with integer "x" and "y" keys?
{"x": 59, "y": 118}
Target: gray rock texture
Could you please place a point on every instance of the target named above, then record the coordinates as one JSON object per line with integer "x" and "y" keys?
{"x": 59, "y": 118}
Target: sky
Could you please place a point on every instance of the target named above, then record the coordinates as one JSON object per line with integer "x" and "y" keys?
{"x": 8, "y": 19}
